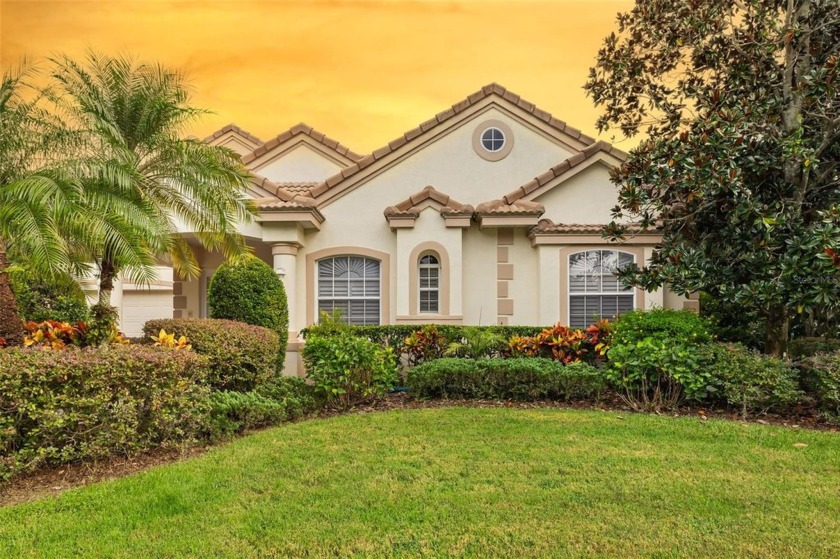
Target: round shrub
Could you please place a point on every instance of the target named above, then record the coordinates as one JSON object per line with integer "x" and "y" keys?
{"x": 247, "y": 290}
{"x": 242, "y": 356}
{"x": 684, "y": 327}
{"x": 39, "y": 299}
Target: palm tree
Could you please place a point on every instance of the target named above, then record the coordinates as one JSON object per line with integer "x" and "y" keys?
{"x": 136, "y": 167}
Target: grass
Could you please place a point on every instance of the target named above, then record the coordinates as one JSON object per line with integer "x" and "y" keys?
{"x": 465, "y": 482}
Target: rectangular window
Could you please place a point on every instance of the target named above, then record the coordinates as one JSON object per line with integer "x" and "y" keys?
{"x": 595, "y": 291}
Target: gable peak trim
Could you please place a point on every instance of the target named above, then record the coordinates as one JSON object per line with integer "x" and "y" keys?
{"x": 296, "y": 130}
{"x": 237, "y": 130}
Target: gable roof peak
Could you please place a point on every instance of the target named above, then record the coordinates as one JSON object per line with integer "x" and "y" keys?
{"x": 231, "y": 127}
{"x": 297, "y": 129}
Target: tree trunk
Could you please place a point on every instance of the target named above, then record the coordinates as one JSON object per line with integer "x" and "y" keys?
{"x": 11, "y": 326}
{"x": 107, "y": 275}
{"x": 778, "y": 326}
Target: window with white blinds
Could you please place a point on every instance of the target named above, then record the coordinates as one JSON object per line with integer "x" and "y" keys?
{"x": 350, "y": 284}
{"x": 594, "y": 290}
{"x": 429, "y": 272}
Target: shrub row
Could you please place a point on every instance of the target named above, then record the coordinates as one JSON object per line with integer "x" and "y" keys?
{"x": 61, "y": 406}
{"x": 242, "y": 357}
{"x": 514, "y": 379}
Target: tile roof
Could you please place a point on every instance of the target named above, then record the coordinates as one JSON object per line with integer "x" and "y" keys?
{"x": 409, "y": 207}
{"x": 297, "y": 187}
{"x": 546, "y": 226}
{"x": 295, "y": 130}
{"x": 283, "y": 199}
{"x": 232, "y": 128}
{"x": 502, "y": 208}
{"x": 567, "y": 165}
{"x": 442, "y": 117}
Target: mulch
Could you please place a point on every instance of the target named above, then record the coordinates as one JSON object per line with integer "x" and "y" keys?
{"x": 51, "y": 481}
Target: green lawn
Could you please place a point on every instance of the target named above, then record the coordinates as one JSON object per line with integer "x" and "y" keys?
{"x": 464, "y": 482}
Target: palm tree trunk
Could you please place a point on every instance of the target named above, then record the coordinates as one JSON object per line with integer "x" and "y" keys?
{"x": 11, "y": 326}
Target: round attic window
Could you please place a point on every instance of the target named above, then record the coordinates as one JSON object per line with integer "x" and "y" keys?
{"x": 492, "y": 140}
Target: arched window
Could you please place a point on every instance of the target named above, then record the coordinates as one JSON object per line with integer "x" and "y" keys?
{"x": 594, "y": 290}
{"x": 350, "y": 284}
{"x": 429, "y": 284}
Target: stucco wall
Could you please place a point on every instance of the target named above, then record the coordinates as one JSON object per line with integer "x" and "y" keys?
{"x": 300, "y": 164}
{"x": 586, "y": 198}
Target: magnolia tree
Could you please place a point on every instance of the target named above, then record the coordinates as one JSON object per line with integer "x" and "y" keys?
{"x": 740, "y": 103}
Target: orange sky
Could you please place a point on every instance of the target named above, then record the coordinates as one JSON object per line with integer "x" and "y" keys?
{"x": 360, "y": 71}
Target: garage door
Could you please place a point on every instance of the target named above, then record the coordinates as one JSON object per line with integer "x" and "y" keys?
{"x": 140, "y": 306}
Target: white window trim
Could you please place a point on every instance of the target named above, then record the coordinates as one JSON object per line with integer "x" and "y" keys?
{"x": 569, "y": 293}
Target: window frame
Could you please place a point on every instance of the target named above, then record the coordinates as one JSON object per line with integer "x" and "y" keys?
{"x": 630, "y": 292}
{"x": 379, "y": 279}
{"x": 437, "y": 266}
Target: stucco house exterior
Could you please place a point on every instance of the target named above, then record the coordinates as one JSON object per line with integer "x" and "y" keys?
{"x": 490, "y": 212}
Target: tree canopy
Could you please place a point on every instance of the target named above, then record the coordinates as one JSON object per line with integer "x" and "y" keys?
{"x": 741, "y": 107}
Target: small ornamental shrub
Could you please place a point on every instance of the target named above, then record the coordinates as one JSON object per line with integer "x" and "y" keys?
{"x": 40, "y": 299}
{"x": 807, "y": 347}
{"x": 55, "y": 335}
{"x": 749, "y": 380}
{"x": 234, "y": 412}
{"x": 394, "y": 335}
{"x": 564, "y": 344}
{"x": 348, "y": 370}
{"x": 653, "y": 360}
{"x": 820, "y": 376}
{"x": 248, "y": 290}
{"x": 425, "y": 344}
{"x": 168, "y": 341}
{"x": 63, "y": 406}
{"x": 242, "y": 357}
{"x": 508, "y": 379}
{"x": 477, "y": 343}
{"x": 654, "y": 373}
{"x": 299, "y": 396}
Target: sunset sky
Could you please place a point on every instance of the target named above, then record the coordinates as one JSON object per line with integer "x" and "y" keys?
{"x": 360, "y": 71}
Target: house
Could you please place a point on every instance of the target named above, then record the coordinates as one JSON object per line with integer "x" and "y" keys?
{"x": 488, "y": 213}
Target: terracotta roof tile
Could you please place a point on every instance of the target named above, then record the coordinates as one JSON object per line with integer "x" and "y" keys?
{"x": 409, "y": 206}
{"x": 502, "y": 207}
{"x": 232, "y": 128}
{"x": 300, "y": 128}
{"x": 459, "y": 107}
{"x": 546, "y": 226}
{"x": 283, "y": 199}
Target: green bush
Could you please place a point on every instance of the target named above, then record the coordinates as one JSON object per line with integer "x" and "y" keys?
{"x": 234, "y": 412}
{"x": 39, "y": 299}
{"x": 684, "y": 327}
{"x": 808, "y": 347}
{"x": 348, "y": 370}
{"x": 242, "y": 357}
{"x": 653, "y": 360}
{"x": 295, "y": 392}
{"x": 247, "y": 290}
{"x": 515, "y": 379}
{"x": 64, "y": 406}
{"x": 749, "y": 380}
{"x": 821, "y": 379}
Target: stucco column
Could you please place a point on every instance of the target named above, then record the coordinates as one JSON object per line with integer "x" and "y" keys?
{"x": 285, "y": 264}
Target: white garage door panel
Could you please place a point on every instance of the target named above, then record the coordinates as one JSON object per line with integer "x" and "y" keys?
{"x": 138, "y": 307}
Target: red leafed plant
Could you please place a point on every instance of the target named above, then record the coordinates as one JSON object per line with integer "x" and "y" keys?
{"x": 55, "y": 335}
{"x": 565, "y": 344}
{"x": 425, "y": 344}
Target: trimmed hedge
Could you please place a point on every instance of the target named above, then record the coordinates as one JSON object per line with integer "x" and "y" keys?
{"x": 242, "y": 357}
{"x": 248, "y": 290}
{"x": 394, "y": 335}
{"x": 508, "y": 379}
{"x": 73, "y": 404}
